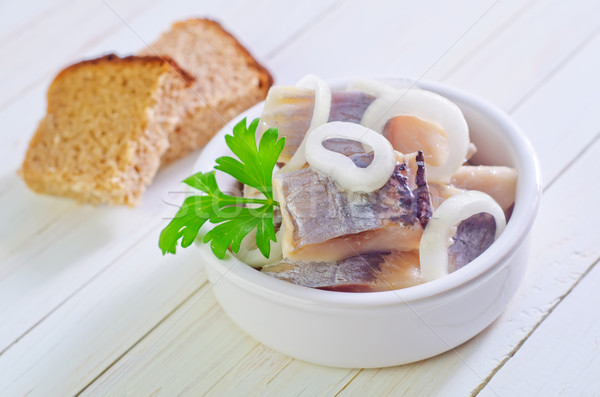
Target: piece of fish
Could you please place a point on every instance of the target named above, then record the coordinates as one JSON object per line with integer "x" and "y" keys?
{"x": 347, "y": 147}
{"x": 323, "y": 222}
{"x": 361, "y": 273}
{"x": 497, "y": 181}
{"x": 473, "y": 236}
{"x": 290, "y": 110}
{"x": 386, "y": 271}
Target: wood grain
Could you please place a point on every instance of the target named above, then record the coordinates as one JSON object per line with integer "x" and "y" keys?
{"x": 87, "y": 302}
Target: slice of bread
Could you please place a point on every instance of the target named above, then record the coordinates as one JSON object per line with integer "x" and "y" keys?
{"x": 106, "y": 128}
{"x": 228, "y": 80}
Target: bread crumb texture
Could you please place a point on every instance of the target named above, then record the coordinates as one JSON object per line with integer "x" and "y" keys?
{"x": 106, "y": 127}
{"x": 228, "y": 80}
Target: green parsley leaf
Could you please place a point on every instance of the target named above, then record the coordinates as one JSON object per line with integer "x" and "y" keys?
{"x": 253, "y": 167}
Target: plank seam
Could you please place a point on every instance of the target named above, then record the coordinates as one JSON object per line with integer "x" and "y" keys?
{"x": 348, "y": 383}
{"x": 136, "y": 343}
{"x": 207, "y": 287}
{"x": 573, "y": 160}
{"x": 256, "y": 345}
{"x": 509, "y": 21}
{"x": 78, "y": 290}
{"x": 565, "y": 61}
{"x": 483, "y": 384}
{"x": 305, "y": 28}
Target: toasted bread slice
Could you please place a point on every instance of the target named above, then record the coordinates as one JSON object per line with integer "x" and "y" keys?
{"x": 106, "y": 128}
{"x": 228, "y": 80}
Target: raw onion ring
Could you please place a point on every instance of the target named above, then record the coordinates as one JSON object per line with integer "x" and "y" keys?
{"x": 320, "y": 116}
{"x": 251, "y": 255}
{"x": 437, "y": 236}
{"x": 340, "y": 167}
{"x": 429, "y": 107}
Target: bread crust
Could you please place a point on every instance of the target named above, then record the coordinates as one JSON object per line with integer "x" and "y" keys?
{"x": 266, "y": 79}
{"x": 229, "y": 80}
{"x": 107, "y": 125}
{"x": 115, "y": 59}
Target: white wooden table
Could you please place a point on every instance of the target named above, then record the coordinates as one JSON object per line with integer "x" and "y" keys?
{"x": 89, "y": 306}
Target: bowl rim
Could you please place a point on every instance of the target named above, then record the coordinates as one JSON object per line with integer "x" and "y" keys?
{"x": 529, "y": 187}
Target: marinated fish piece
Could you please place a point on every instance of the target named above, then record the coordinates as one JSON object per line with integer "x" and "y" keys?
{"x": 386, "y": 271}
{"x": 361, "y": 273}
{"x": 473, "y": 236}
{"x": 290, "y": 110}
{"x": 349, "y": 106}
{"x": 323, "y": 222}
{"x": 347, "y": 147}
{"x": 497, "y": 181}
{"x": 408, "y": 134}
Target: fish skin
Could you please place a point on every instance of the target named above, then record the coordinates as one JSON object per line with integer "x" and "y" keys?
{"x": 371, "y": 272}
{"x": 347, "y": 147}
{"x": 473, "y": 236}
{"x": 290, "y": 110}
{"x": 349, "y": 106}
{"x": 321, "y": 218}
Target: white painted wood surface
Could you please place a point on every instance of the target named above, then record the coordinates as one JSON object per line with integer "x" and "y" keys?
{"x": 88, "y": 304}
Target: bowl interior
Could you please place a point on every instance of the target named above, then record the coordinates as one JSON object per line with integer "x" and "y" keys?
{"x": 499, "y": 142}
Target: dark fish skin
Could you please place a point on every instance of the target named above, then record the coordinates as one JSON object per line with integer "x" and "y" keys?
{"x": 473, "y": 236}
{"x": 349, "y": 106}
{"x": 379, "y": 271}
{"x": 290, "y": 110}
{"x": 422, "y": 192}
{"x": 326, "y": 221}
{"x": 347, "y": 147}
{"x": 352, "y": 274}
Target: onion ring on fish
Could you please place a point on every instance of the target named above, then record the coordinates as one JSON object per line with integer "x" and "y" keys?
{"x": 429, "y": 107}
{"x": 437, "y": 236}
{"x": 340, "y": 167}
{"x": 320, "y": 116}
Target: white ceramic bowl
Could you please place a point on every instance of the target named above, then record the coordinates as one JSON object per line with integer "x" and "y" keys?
{"x": 379, "y": 329}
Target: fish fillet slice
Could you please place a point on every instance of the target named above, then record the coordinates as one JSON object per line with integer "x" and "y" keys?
{"x": 290, "y": 110}
{"x": 361, "y": 273}
{"x": 322, "y": 222}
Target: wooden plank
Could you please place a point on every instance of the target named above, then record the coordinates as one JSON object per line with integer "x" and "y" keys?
{"x": 58, "y": 45}
{"x": 562, "y": 356}
{"x": 564, "y": 233}
{"x": 332, "y": 381}
{"x": 562, "y": 115}
{"x": 380, "y": 38}
{"x": 450, "y": 374}
{"x": 15, "y": 19}
{"x": 436, "y": 376}
{"x": 206, "y": 345}
{"x": 59, "y": 224}
{"x": 54, "y": 248}
{"x": 526, "y": 53}
{"x": 76, "y": 343}
{"x": 71, "y": 245}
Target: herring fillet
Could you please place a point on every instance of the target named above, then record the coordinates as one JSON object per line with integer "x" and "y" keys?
{"x": 290, "y": 109}
{"x": 323, "y": 222}
{"x": 361, "y": 273}
{"x": 381, "y": 271}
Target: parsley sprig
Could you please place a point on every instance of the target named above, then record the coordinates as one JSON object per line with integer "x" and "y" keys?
{"x": 233, "y": 219}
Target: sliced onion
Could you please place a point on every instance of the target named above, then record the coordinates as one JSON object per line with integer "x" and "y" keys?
{"x": 251, "y": 255}
{"x": 437, "y": 236}
{"x": 429, "y": 107}
{"x": 320, "y": 116}
{"x": 378, "y": 88}
{"x": 340, "y": 167}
